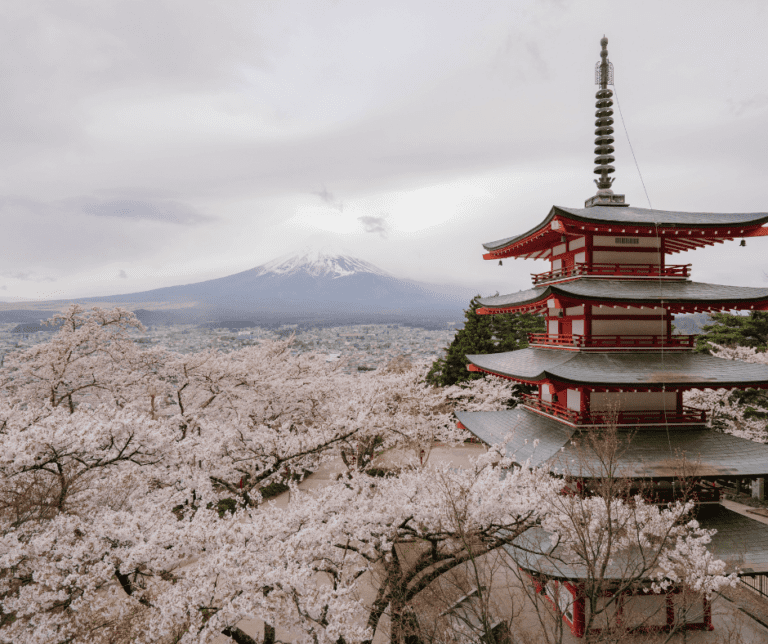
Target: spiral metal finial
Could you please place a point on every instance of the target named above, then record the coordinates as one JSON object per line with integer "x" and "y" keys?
{"x": 604, "y": 114}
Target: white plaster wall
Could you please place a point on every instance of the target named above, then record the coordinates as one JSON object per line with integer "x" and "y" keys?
{"x": 632, "y": 400}
{"x": 617, "y": 257}
{"x": 632, "y": 310}
{"x": 573, "y": 399}
{"x": 628, "y": 327}
{"x": 552, "y": 326}
{"x": 577, "y": 327}
{"x": 577, "y": 243}
{"x": 559, "y": 249}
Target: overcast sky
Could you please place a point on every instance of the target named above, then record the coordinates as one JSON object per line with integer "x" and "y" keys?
{"x": 152, "y": 143}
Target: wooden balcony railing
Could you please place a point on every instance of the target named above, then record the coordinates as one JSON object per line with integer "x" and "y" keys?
{"x": 551, "y": 408}
{"x": 614, "y": 270}
{"x": 612, "y": 341}
{"x": 645, "y": 417}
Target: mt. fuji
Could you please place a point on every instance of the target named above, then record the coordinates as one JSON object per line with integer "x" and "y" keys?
{"x": 312, "y": 286}
{"x": 319, "y": 262}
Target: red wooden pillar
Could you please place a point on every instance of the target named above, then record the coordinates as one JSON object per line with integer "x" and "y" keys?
{"x": 670, "y": 602}
{"x": 708, "y": 615}
{"x": 579, "y": 610}
{"x": 620, "y": 610}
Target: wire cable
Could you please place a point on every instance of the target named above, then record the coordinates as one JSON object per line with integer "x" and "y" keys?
{"x": 631, "y": 149}
{"x": 664, "y": 337}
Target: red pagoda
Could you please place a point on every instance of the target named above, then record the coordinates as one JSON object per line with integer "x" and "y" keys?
{"x": 609, "y": 356}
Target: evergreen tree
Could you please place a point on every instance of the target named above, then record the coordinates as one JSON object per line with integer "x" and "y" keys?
{"x": 735, "y": 330}
{"x": 482, "y": 334}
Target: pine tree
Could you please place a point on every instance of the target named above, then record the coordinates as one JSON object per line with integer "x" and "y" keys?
{"x": 482, "y": 334}
{"x": 735, "y": 331}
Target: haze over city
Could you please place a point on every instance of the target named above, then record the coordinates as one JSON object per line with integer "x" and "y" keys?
{"x": 162, "y": 143}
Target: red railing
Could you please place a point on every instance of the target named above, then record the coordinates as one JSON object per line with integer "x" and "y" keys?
{"x": 644, "y": 417}
{"x": 551, "y": 408}
{"x": 687, "y": 415}
{"x": 614, "y": 270}
{"x": 612, "y": 341}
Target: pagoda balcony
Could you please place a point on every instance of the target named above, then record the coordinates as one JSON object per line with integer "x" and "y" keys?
{"x": 619, "y": 342}
{"x": 614, "y": 271}
{"x": 688, "y": 415}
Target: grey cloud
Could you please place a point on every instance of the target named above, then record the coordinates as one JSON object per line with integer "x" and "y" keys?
{"x": 537, "y": 60}
{"x": 122, "y": 274}
{"x": 57, "y": 58}
{"x": 27, "y": 276}
{"x": 330, "y": 199}
{"x": 757, "y": 102}
{"x": 3, "y": 288}
{"x": 374, "y": 225}
{"x": 60, "y": 238}
{"x": 166, "y": 211}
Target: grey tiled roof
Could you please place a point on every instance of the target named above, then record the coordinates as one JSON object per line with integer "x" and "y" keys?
{"x": 641, "y": 217}
{"x": 647, "y": 453}
{"x": 622, "y": 368}
{"x": 631, "y": 290}
{"x": 529, "y": 435}
{"x": 656, "y": 453}
{"x": 645, "y": 216}
{"x": 739, "y": 541}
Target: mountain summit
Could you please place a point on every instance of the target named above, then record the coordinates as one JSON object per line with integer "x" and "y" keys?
{"x": 312, "y": 286}
{"x": 319, "y": 262}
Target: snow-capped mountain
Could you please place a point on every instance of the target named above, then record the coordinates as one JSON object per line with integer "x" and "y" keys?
{"x": 313, "y": 284}
{"x": 319, "y": 262}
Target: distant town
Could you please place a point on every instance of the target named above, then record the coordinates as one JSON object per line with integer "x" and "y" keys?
{"x": 360, "y": 347}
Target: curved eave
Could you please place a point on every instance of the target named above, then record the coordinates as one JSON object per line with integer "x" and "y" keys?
{"x": 649, "y": 453}
{"x": 681, "y": 231}
{"x": 629, "y": 371}
{"x": 740, "y": 541}
{"x": 681, "y": 297}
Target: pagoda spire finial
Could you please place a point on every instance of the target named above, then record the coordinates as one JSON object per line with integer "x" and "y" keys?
{"x": 604, "y": 133}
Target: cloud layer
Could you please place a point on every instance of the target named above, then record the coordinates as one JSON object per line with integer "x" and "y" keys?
{"x": 155, "y": 142}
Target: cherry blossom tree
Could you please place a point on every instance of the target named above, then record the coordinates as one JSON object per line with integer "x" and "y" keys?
{"x": 125, "y": 473}
{"x": 743, "y": 414}
{"x": 92, "y": 357}
{"x": 601, "y": 531}
{"x": 131, "y": 506}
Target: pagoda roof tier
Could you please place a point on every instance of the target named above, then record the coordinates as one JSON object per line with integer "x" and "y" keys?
{"x": 642, "y": 371}
{"x": 678, "y": 296}
{"x": 741, "y": 542}
{"x": 647, "y": 453}
{"x": 680, "y": 230}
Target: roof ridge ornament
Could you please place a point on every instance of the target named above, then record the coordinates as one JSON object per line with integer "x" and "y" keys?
{"x": 604, "y": 133}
